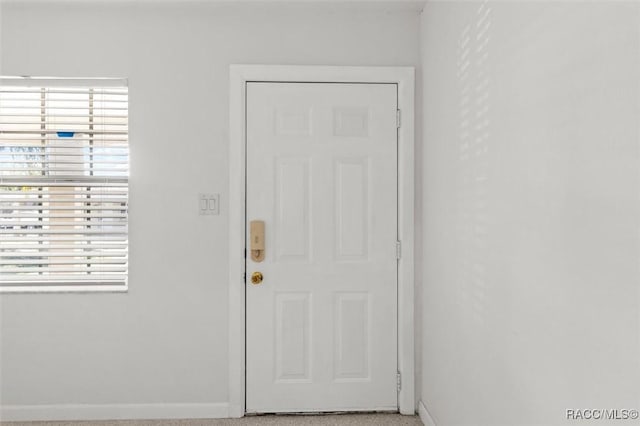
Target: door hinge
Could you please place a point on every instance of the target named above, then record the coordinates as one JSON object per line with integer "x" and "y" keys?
{"x": 398, "y": 249}
{"x": 398, "y": 118}
{"x": 399, "y": 380}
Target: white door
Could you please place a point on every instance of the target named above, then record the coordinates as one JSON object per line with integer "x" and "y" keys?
{"x": 322, "y": 175}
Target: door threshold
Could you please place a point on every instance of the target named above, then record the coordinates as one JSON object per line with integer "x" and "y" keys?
{"x": 323, "y": 413}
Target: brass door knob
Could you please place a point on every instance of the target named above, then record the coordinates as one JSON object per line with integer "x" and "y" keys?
{"x": 256, "y": 278}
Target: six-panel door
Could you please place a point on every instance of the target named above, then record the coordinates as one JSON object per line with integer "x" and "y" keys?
{"x": 322, "y": 175}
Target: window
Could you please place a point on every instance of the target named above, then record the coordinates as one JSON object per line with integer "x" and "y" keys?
{"x": 64, "y": 184}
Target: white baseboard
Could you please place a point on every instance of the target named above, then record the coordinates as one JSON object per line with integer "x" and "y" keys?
{"x": 426, "y": 418}
{"x": 236, "y": 411}
{"x": 113, "y": 411}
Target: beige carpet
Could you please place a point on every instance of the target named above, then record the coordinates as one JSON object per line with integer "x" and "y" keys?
{"x": 267, "y": 420}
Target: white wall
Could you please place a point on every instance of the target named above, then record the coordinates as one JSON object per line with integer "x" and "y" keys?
{"x": 164, "y": 342}
{"x": 531, "y": 210}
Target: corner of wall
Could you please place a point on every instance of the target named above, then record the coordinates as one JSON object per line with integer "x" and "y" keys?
{"x": 426, "y": 418}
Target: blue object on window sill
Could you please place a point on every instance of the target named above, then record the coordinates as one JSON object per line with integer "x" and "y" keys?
{"x": 66, "y": 134}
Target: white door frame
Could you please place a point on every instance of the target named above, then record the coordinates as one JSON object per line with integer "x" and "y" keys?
{"x": 239, "y": 76}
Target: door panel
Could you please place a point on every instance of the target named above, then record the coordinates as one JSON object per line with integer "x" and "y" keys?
{"x": 293, "y": 329}
{"x": 352, "y": 336}
{"x": 292, "y": 223}
{"x": 352, "y": 209}
{"x": 322, "y": 175}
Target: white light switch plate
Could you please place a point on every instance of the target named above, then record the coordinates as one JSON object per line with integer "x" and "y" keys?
{"x": 209, "y": 204}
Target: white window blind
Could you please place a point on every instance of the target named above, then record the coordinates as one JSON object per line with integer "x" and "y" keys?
{"x": 64, "y": 181}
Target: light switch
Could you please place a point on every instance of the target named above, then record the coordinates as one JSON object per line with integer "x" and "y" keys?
{"x": 214, "y": 201}
{"x": 209, "y": 204}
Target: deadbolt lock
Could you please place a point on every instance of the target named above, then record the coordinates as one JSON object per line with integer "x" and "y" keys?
{"x": 256, "y": 278}
{"x": 257, "y": 240}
